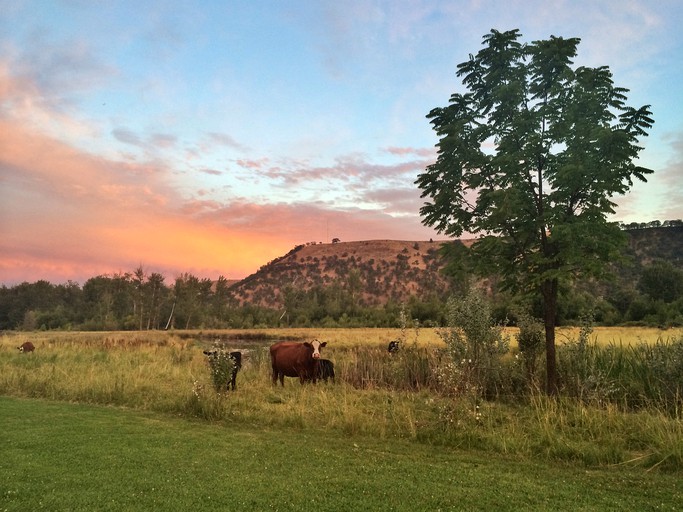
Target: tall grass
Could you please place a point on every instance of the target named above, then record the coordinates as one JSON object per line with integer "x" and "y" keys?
{"x": 633, "y": 377}
{"x": 377, "y": 394}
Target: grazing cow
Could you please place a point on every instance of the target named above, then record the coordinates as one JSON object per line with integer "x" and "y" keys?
{"x": 27, "y": 346}
{"x": 291, "y": 359}
{"x": 236, "y": 357}
{"x": 393, "y": 347}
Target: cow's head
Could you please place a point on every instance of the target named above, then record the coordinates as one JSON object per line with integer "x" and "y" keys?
{"x": 316, "y": 346}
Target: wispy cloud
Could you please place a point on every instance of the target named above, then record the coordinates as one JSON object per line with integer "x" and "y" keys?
{"x": 127, "y": 137}
{"x": 421, "y": 152}
{"x": 211, "y": 172}
{"x": 60, "y": 70}
{"x": 223, "y": 139}
{"x": 260, "y": 163}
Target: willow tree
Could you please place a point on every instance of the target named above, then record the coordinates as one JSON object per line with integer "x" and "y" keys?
{"x": 530, "y": 156}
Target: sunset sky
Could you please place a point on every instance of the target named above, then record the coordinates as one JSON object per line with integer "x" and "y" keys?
{"x": 212, "y": 136}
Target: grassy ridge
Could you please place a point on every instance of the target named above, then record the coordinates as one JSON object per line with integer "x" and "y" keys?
{"x": 59, "y": 456}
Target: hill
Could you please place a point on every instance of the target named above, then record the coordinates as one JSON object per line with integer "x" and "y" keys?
{"x": 377, "y": 271}
{"x": 650, "y": 244}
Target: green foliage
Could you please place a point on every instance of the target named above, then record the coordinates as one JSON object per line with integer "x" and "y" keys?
{"x": 661, "y": 280}
{"x": 475, "y": 345}
{"x": 221, "y": 366}
{"x": 514, "y": 155}
{"x": 645, "y": 293}
{"x": 583, "y": 378}
{"x": 633, "y": 377}
{"x": 410, "y": 369}
{"x": 530, "y": 340}
{"x": 159, "y": 372}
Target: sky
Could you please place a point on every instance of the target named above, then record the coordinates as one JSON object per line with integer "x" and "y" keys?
{"x": 210, "y": 137}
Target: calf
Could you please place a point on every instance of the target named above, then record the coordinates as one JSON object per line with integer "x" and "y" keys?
{"x": 27, "y": 346}
{"x": 326, "y": 370}
{"x": 236, "y": 358}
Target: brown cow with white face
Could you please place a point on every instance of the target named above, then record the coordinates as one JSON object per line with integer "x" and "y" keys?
{"x": 26, "y": 347}
{"x": 291, "y": 359}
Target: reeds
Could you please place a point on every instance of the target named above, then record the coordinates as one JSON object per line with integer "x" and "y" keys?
{"x": 633, "y": 377}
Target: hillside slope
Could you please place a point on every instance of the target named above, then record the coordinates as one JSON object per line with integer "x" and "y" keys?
{"x": 377, "y": 271}
{"x": 650, "y": 244}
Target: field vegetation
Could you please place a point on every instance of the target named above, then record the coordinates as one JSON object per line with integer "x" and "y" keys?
{"x": 620, "y": 403}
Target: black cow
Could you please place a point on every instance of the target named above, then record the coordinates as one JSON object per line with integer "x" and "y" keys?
{"x": 236, "y": 357}
{"x": 326, "y": 370}
{"x": 393, "y": 347}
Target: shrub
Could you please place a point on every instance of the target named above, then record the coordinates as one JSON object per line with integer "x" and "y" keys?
{"x": 475, "y": 346}
{"x": 531, "y": 342}
{"x": 222, "y": 366}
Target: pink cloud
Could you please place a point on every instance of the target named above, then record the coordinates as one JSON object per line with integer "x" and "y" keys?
{"x": 346, "y": 170}
{"x": 422, "y": 152}
{"x": 211, "y": 172}
{"x": 70, "y": 215}
{"x": 252, "y": 164}
{"x": 308, "y": 221}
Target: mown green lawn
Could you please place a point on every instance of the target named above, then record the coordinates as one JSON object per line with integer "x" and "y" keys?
{"x": 69, "y": 457}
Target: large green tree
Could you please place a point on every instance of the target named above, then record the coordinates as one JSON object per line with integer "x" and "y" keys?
{"x": 530, "y": 156}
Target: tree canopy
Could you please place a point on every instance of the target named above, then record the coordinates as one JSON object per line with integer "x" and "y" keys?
{"x": 530, "y": 157}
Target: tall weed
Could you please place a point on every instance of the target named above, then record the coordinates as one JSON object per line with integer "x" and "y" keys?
{"x": 475, "y": 346}
{"x": 531, "y": 343}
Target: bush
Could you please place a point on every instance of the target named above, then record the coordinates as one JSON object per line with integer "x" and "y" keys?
{"x": 222, "y": 366}
{"x": 531, "y": 342}
{"x": 475, "y": 346}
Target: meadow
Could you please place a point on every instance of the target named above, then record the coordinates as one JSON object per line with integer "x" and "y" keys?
{"x": 376, "y": 399}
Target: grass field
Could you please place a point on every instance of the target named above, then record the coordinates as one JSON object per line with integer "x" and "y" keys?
{"x": 75, "y": 457}
{"x": 345, "y": 338}
{"x": 130, "y": 421}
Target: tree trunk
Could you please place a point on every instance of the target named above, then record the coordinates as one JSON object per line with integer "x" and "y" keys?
{"x": 168, "y": 324}
{"x": 549, "y": 292}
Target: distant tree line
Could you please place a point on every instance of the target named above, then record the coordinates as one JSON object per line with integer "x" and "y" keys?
{"x": 652, "y": 224}
{"x": 651, "y": 295}
{"x": 141, "y": 301}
